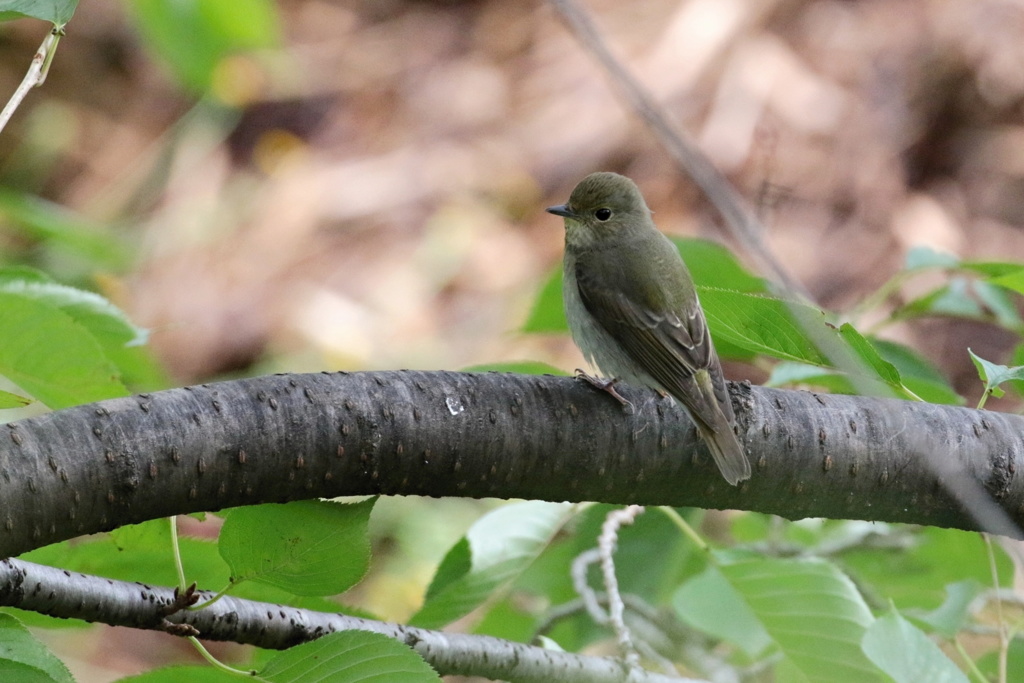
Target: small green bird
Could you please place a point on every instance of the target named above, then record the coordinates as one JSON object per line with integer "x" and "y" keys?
{"x": 633, "y": 310}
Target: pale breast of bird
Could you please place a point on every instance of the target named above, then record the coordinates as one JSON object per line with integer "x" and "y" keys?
{"x": 598, "y": 347}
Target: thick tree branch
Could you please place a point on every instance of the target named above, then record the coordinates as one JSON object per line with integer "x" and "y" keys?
{"x": 288, "y": 437}
{"x": 119, "y": 603}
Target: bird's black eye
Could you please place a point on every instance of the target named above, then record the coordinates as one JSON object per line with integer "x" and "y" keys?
{"x": 603, "y": 214}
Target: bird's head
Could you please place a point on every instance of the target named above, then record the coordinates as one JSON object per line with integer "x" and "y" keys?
{"x": 602, "y": 207}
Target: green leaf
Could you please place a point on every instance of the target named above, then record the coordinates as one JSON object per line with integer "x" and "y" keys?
{"x": 787, "y": 330}
{"x": 193, "y": 38}
{"x": 993, "y": 374}
{"x": 1017, "y": 358}
{"x": 23, "y": 658}
{"x": 547, "y": 314}
{"x": 1013, "y": 281}
{"x": 787, "y": 374}
{"x": 989, "y": 663}
{"x": 653, "y": 535}
{"x": 107, "y": 323}
{"x": 16, "y": 671}
{"x": 509, "y": 619}
{"x": 122, "y": 342}
{"x": 176, "y": 674}
{"x": 933, "y": 392}
{"x": 965, "y": 298}
{"x": 917, "y": 372}
{"x": 45, "y": 220}
{"x": 712, "y": 265}
{"x": 349, "y": 657}
{"x": 863, "y": 349}
{"x": 761, "y": 324}
{"x": 457, "y": 563}
{"x": 954, "y": 613}
{"x": 52, "y": 356}
{"x": 906, "y": 654}
{"x": 9, "y": 400}
{"x": 952, "y": 299}
{"x": 877, "y": 367}
{"x": 524, "y": 367}
{"x": 307, "y": 547}
{"x": 709, "y": 602}
{"x": 918, "y": 573}
{"x": 991, "y": 269}
{"x": 997, "y": 302}
{"x": 926, "y": 257}
{"x": 152, "y": 535}
{"x": 495, "y": 551}
{"x": 24, "y": 274}
{"x": 58, "y": 12}
{"x": 811, "y": 611}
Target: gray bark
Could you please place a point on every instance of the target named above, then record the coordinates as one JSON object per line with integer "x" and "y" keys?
{"x": 65, "y": 594}
{"x": 287, "y": 437}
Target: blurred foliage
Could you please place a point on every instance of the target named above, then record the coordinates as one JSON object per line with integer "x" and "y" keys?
{"x": 196, "y": 39}
{"x": 57, "y": 12}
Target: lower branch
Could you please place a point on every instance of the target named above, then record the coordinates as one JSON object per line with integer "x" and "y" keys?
{"x": 63, "y": 594}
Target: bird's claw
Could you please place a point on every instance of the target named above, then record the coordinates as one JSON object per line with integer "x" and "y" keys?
{"x": 605, "y": 385}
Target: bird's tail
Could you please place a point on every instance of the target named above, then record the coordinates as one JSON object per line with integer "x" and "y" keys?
{"x": 727, "y": 451}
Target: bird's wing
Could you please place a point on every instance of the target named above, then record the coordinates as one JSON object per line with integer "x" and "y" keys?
{"x": 661, "y": 331}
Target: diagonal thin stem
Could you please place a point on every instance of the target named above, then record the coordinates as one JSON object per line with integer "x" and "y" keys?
{"x": 741, "y": 222}
{"x": 36, "y": 74}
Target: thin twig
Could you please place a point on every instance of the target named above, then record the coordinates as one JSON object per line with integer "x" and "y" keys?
{"x": 176, "y": 551}
{"x": 606, "y": 544}
{"x": 37, "y": 71}
{"x": 684, "y": 527}
{"x": 216, "y": 663}
{"x": 1004, "y": 640}
{"x": 578, "y": 572}
{"x": 60, "y": 593}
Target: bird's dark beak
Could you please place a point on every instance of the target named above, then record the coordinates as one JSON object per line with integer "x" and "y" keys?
{"x": 561, "y": 210}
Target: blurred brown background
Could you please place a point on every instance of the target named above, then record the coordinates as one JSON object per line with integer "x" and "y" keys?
{"x": 373, "y": 197}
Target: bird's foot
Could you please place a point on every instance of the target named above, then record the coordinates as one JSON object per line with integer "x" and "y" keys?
{"x": 605, "y": 385}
